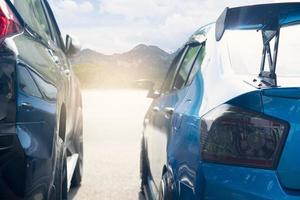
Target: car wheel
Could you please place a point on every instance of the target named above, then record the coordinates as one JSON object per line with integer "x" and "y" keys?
{"x": 166, "y": 189}
{"x": 61, "y": 178}
{"x": 143, "y": 167}
{"x": 77, "y": 176}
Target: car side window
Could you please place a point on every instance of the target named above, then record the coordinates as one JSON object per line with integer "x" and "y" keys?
{"x": 185, "y": 67}
{"x": 32, "y": 12}
{"x": 53, "y": 26}
{"x": 167, "y": 86}
{"x": 197, "y": 64}
{"x": 26, "y": 83}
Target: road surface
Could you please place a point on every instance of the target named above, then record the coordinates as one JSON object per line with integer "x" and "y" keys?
{"x": 112, "y": 129}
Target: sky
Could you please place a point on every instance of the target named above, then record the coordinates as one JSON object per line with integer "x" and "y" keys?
{"x": 116, "y": 26}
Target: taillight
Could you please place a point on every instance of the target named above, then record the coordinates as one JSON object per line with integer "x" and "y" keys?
{"x": 232, "y": 135}
{"x": 9, "y": 24}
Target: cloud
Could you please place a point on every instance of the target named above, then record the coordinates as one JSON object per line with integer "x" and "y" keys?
{"x": 69, "y": 12}
{"x": 114, "y": 26}
{"x": 71, "y": 6}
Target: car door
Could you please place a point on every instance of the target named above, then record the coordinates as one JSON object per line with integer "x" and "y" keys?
{"x": 37, "y": 89}
{"x": 173, "y": 92}
{"x": 36, "y": 105}
{"x": 62, "y": 62}
{"x": 36, "y": 112}
{"x": 150, "y": 132}
{"x": 183, "y": 148}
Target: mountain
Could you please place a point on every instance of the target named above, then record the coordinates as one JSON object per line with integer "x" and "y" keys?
{"x": 120, "y": 70}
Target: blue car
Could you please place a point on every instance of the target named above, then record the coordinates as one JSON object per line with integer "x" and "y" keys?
{"x": 41, "y": 148}
{"x": 226, "y": 122}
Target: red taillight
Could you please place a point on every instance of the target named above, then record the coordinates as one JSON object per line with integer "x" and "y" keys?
{"x": 232, "y": 135}
{"x": 9, "y": 24}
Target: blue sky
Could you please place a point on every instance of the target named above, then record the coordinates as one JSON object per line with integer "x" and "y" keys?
{"x": 116, "y": 26}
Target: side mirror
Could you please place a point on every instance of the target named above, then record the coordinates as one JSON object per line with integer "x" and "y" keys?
{"x": 153, "y": 94}
{"x": 148, "y": 85}
{"x": 73, "y": 45}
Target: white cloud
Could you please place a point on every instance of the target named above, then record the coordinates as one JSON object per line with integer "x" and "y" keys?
{"x": 135, "y": 8}
{"x": 71, "y": 7}
{"x": 112, "y": 26}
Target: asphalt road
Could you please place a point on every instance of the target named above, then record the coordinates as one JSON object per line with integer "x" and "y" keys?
{"x": 112, "y": 129}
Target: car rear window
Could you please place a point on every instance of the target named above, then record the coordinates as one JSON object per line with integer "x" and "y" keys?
{"x": 245, "y": 51}
{"x": 33, "y": 14}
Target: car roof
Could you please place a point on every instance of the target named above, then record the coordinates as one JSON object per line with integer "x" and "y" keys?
{"x": 200, "y": 35}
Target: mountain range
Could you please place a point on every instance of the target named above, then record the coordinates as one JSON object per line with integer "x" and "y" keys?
{"x": 96, "y": 70}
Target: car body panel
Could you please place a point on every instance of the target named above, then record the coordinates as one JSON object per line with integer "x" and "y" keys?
{"x": 216, "y": 84}
{"x": 34, "y": 121}
{"x": 287, "y": 108}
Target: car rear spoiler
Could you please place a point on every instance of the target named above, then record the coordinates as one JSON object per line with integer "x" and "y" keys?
{"x": 267, "y": 18}
{"x": 258, "y": 17}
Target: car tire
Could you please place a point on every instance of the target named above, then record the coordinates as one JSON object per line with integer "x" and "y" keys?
{"x": 77, "y": 175}
{"x": 166, "y": 189}
{"x": 61, "y": 175}
{"x": 143, "y": 167}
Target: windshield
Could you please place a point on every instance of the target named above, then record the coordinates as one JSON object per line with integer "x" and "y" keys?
{"x": 245, "y": 49}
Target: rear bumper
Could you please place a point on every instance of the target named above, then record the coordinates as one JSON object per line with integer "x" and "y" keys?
{"x": 237, "y": 183}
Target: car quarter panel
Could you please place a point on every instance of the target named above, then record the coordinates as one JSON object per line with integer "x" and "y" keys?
{"x": 284, "y": 104}
{"x": 215, "y": 85}
{"x": 205, "y": 93}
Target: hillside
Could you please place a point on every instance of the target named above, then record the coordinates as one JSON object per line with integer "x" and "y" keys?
{"x": 96, "y": 70}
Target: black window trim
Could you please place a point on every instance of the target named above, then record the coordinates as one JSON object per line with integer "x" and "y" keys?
{"x": 50, "y": 17}
{"x": 48, "y": 20}
{"x": 193, "y": 65}
{"x": 188, "y": 46}
{"x": 181, "y": 54}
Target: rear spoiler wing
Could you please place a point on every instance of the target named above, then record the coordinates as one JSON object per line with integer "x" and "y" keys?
{"x": 258, "y": 17}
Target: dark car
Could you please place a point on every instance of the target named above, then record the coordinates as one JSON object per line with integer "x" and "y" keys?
{"x": 226, "y": 123}
{"x": 40, "y": 105}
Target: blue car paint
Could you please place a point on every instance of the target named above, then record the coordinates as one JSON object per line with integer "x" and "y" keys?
{"x": 30, "y": 142}
{"x": 288, "y": 110}
{"x": 197, "y": 179}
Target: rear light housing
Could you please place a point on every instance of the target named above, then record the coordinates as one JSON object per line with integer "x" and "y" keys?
{"x": 9, "y": 24}
{"x": 236, "y": 136}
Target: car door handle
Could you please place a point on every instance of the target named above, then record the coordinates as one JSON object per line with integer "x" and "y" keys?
{"x": 155, "y": 109}
{"x": 169, "y": 110}
{"x": 56, "y": 60}
{"x": 54, "y": 57}
{"x": 26, "y": 106}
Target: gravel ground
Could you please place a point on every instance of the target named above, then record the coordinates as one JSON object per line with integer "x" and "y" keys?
{"x": 112, "y": 130}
